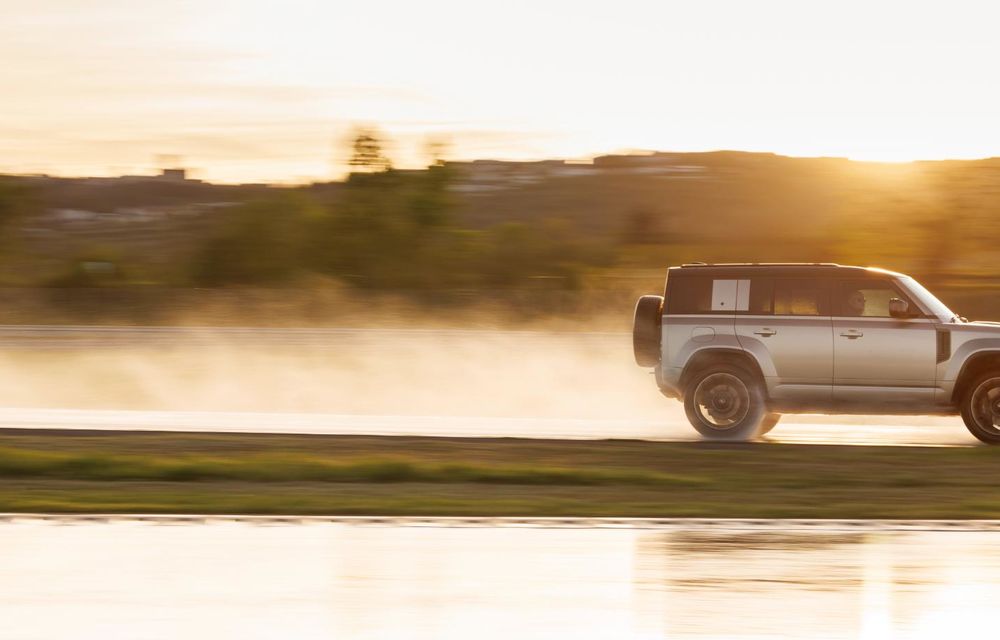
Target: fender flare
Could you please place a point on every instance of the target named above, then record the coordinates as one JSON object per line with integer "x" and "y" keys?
{"x": 708, "y": 356}
{"x": 973, "y": 365}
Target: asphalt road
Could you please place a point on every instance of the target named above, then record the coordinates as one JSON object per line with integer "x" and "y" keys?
{"x": 815, "y": 429}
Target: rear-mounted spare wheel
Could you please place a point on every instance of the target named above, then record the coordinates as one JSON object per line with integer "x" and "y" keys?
{"x": 646, "y": 330}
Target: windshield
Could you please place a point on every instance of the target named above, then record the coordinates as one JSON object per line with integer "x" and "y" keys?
{"x": 927, "y": 299}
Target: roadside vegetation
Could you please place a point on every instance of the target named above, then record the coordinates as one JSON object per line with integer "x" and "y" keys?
{"x": 246, "y": 474}
{"x": 558, "y": 241}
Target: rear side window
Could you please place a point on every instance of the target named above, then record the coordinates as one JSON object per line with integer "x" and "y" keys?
{"x": 764, "y": 295}
{"x": 761, "y": 296}
{"x": 800, "y": 297}
{"x": 704, "y": 295}
{"x": 689, "y": 295}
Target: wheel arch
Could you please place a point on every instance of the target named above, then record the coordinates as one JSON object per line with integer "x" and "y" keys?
{"x": 974, "y": 366}
{"x": 708, "y": 357}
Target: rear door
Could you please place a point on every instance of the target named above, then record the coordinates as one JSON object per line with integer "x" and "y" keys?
{"x": 699, "y": 315}
{"x": 786, "y": 325}
{"x": 879, "y": 359}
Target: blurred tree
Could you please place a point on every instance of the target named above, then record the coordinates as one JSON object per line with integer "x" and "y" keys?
{"x": 880, "y": 229}
{"x": 17, "y": 202}
{"x": 435, "y": 150}
{"x": 516, "y": 254}
{"x": 642, "y": 226}
{"x": 95, "y": 266}
{"x": 429, "y": 200}
{"x": 388, "y": 229}
{"x": 261, "y": 243}
{"x": 963, "y": 218}
{"x": 366, "y": 153}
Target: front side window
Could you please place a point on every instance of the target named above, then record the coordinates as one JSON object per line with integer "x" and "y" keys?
{"x": 866, "y": 298}
{"x": 800, "y": 297}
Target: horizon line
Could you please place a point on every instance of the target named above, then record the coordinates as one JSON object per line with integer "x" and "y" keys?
{"x": 569, "y": 160}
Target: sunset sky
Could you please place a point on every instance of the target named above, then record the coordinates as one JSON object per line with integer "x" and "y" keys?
{"x": 260, "y": 90}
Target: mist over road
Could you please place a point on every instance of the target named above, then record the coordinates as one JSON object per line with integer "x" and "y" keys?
{"x": 99, "y": 336}
{"x": 378, "y": 381}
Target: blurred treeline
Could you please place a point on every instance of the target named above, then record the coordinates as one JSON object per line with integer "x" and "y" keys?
{"x": 382, "y": 229}
{"x": 545, "y": 234}
{"x": 387, "y": 230}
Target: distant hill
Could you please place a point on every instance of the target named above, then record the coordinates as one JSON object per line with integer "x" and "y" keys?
{"x": 756, "y": 204}
{"x": 716, "y": 195}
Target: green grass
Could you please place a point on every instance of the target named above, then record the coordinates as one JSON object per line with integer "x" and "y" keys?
{"x": 276, "y": 474}
{"x": 295, "y": 467}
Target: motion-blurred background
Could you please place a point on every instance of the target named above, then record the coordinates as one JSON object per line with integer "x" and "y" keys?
{"x": 369, "y": 164}
{"x": 493, "y": 241}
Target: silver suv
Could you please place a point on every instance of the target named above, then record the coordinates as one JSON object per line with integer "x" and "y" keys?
{"x": 740, "y": 344}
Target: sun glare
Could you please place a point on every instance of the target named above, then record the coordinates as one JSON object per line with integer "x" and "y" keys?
{"x": 262, "y": 93}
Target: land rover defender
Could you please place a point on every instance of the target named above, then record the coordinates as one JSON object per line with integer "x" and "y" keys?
{"x": 741, "y": 344}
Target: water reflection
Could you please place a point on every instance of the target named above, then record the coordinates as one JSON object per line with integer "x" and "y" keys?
{"x": 756, "y": 584}
{"x": 232, "y": 579}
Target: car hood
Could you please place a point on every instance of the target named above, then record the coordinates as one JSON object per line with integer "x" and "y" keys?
{"x": 975, "y": 329}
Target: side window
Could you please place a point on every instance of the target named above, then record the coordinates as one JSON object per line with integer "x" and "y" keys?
{"x": 689, "y": 295}
{"x": 761, "y": 296}
{"x": 865, "y": 298}
{"x": 698, "y": 295}
{"x": 800, "y": 297}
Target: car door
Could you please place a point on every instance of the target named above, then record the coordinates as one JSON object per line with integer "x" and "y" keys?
{"x": 786, "y": 326}
{"x": 877, "y": 359}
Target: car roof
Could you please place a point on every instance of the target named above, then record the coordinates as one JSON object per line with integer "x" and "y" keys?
{"x": 788, "y": 269}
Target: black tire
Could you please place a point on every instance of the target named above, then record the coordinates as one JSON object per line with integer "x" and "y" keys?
{"x": 725, "y": 402}
{"x": 646, "y": 321}
{"x": 980, "y": 407}
{"x": 769, "y": 422}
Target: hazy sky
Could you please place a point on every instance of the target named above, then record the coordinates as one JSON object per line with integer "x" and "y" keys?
{"x": 269, "y": 90}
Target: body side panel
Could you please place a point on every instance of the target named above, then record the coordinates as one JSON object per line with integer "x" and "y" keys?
{"x": 685, "y": 335}
{"x": 795, "y": 353}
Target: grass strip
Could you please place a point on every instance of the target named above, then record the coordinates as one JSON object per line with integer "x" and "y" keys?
{"x": 287, "y": 467}
{"x": 275, "y": 474}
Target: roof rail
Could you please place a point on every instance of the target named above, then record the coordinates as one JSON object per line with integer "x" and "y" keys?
{"x": 761, "y": 264}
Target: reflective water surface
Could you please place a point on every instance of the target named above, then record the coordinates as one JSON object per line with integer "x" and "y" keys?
{"x": 243, "y": 580}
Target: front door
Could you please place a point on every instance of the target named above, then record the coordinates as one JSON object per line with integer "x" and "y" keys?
{"x": 879, "y": 360}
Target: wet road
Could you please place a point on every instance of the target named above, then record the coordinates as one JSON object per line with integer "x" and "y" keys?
{"x": 240, "y": 579}
{"x": 809, "y": 429}
{"x": 447, "y": 382}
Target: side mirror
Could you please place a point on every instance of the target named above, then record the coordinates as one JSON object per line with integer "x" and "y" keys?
{"x": 899, "y": 308}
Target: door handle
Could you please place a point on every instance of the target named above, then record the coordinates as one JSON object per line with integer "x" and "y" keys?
{"x": 852, "y": 334}
{"x": 765, "y": 332}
